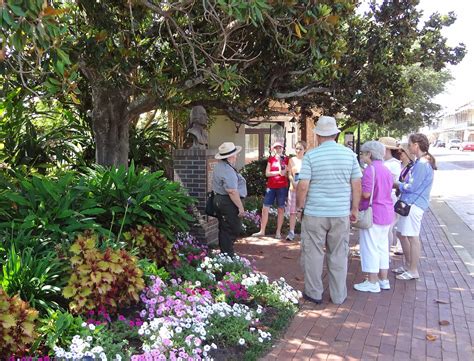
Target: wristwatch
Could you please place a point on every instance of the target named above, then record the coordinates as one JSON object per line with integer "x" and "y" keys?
{"x": 300, "y": 210}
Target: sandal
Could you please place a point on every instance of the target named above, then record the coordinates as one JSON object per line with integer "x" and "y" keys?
{"x": 258, "y": 234}
{"x": 406, "y": 276}
{"x": 399, "y": 270}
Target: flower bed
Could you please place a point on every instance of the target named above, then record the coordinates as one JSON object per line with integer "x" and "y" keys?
{"x": 204, "y": 306}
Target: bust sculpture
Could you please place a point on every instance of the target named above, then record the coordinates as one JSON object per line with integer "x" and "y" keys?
{"x": 197, "y": 127}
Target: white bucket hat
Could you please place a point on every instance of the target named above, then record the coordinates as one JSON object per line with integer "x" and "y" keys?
{"x": 227, "y": 149}
{"x": 326, "y": 126}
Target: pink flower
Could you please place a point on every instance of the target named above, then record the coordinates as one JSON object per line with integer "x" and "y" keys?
{"x": 121, "y": 318}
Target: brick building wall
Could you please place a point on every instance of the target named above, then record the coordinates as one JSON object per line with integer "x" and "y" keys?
{"x": 193, "y": 169}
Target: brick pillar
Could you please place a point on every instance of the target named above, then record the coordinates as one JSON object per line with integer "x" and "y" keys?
{"x": 193, "y": 169}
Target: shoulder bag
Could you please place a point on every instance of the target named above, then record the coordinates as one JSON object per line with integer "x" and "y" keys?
{"x": 210, "y": 209}
{"x": 403, "y": 208}
{"x": 365, "y": 219}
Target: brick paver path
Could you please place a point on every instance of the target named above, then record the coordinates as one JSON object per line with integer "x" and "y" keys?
{"x": 392, "y": 325}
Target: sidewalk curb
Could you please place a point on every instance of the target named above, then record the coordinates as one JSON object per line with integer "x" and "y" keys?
{"x": 436, "y": 206}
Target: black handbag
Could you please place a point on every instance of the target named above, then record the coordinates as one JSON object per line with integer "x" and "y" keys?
{"x": 402, "y": 208}
{"x": 210, "y": 209}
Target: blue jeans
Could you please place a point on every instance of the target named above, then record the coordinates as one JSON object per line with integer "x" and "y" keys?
{"x": 279, "y": 194}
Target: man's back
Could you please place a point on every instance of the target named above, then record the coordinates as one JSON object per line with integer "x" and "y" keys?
{"x": 330, "y": 169}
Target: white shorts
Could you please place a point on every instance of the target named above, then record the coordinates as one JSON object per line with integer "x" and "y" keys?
{"x": 374, "y": 249}
{"x": 410, "y": 225}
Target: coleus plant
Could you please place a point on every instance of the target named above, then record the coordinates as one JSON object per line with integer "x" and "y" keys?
{"x": 17, "y": 325}
{"x": 102, "y": 280}
{"x": 152, "y": 244}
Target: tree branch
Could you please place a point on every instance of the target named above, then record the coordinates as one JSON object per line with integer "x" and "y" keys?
{"x": 301, "y": 92}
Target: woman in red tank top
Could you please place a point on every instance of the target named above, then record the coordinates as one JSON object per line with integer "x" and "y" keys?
{"x": 277, "y": 188}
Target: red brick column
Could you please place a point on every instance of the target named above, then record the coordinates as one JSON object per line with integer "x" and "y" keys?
{"x": 193, "y": 169}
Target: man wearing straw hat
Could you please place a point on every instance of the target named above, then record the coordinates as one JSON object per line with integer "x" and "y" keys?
{"x": 329, "y": 189}
{"x": 230, "y": 188}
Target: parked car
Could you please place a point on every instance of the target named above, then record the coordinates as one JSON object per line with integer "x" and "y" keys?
{"x": 439, "y": 143}
{"x": 467, "y": 146}
{"x": 454, "y": 143}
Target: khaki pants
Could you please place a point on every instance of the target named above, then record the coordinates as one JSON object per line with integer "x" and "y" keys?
{"x": 332, "y": 232}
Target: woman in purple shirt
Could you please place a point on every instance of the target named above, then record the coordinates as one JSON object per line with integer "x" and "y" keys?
{"x": 377, "y": 183}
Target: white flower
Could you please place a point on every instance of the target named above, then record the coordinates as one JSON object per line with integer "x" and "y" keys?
{"x": 84, "y": 324}
{"x": 91, "y": 327}
{"x": 213, "y": 345}
{"x": 207, "y": 348}
{"x": 89, "y": 338}
{"x": 241, "y": 341}
{"x": 260, "y": 339}
{"x": 198, "y": 283}
{"x": 97, "y": 349}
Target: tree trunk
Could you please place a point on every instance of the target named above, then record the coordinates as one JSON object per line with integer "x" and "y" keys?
{"x": 110, "y": 123}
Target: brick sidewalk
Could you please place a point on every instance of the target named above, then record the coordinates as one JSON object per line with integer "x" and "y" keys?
{"x": 392, "y": 325}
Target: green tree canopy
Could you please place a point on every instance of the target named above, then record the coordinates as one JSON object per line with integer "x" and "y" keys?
{"x": 116, "y": 59}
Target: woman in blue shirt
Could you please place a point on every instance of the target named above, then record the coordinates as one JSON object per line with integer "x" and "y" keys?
{"x": 415, "y": 191}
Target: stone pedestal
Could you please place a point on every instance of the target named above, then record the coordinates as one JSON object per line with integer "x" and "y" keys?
{"x": 193, "y": 169}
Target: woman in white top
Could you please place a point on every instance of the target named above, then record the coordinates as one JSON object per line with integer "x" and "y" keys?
{"x": 395, "y": 167}
{"x": 294, "y": 167}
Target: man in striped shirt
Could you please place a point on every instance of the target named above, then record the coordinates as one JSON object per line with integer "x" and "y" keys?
{"x": 329, "y": 190}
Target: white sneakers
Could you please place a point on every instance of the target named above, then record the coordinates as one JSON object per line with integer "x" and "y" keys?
{"x": 367, "y": 286}
{"x": 384, "y": 284}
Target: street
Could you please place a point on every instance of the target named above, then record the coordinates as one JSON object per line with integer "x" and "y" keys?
{"x": 452, "y": 200}
{"x": 454, "y": 182}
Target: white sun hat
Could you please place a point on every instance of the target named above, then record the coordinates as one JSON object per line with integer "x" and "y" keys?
{"x": 227, "y": 149}
{"x": 326, "y": 126}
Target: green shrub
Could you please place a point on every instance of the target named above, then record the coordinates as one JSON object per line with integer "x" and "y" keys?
{"x": 42, "y": 135}
{"x": 150, "y": 145}
{"x": 189, "y": 273}
{"x": 254, "y": 174}
{"x": 50, "y": 207}
{"x": 137, "y": 197}
{"x": 57, "y": 330}
{"x": 150, "y": 268}
{"x": 37, "y": 276}
{"x": 103, "y": 200}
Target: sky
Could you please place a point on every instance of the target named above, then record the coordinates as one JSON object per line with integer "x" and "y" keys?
{"x": 461, "y": 90}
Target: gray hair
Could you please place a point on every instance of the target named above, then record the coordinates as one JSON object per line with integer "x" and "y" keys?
{"x": 376, "y": 149}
